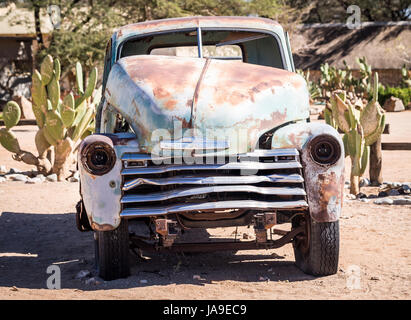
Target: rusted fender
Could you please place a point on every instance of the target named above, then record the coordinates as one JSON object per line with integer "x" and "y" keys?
{"x": 102, "y": 194}
{"x": 324, "y": 184}
{"x": 152, "y": 92}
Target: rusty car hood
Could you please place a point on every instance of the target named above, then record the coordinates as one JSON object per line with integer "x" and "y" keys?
{"x": 211, "y": 97}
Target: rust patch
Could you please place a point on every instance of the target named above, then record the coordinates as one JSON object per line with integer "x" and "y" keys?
{"x": 329, "y": 196}
{"x": 184, "y": 123}
{"x": 161, "y": 93}
{"x": 101, "y": 227}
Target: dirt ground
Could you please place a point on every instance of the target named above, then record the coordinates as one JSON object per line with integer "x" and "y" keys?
{"x": 37, "y": 229}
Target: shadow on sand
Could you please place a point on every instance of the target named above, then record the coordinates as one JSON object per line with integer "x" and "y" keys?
{"x": 29, "y": 243}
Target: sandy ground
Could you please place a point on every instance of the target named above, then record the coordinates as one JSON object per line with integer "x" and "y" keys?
{"x": 37, "y": 229}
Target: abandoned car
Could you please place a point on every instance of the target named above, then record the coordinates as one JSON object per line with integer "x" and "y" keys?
{"x": 204, "y": 124}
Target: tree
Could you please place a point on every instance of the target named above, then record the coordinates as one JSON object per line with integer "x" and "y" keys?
{"x": 86, "y": 25}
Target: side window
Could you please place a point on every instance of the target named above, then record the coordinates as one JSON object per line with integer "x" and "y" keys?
{"x": 113, "y": 122}
{"x": 107, "y": 63}
{"x": 121, "y": 124}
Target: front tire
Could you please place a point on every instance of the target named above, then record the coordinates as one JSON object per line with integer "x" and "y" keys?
{"x": 112, "y": 252}
{"x": 318, "y": 253}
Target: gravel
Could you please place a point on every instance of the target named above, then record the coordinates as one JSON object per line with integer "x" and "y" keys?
{"x": 52, "y": 177}
{"x": 384, "y": 201}
{"x": 17, "y": 177}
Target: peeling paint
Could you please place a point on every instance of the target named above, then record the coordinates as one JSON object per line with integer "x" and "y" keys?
{"x": 324, "y": 184}
{"x": 200, "y": 94}
{"x": 101, "y": 201}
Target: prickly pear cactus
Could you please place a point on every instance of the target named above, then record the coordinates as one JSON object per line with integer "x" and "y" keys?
{"x": 62, "y": 122}
{"x": 361, "y": 127}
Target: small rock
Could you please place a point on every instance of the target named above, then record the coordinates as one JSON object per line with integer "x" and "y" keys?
{"x": 72, "y": 179}
{"x": 52, "y": 177}
{"x": 382, "y": 194}
{"x": 314, "y": 111}
{"x": 361, "y": 196}
{"x": 375, "y": 278}
{"x": 264, "y": 278}
{"x": 245, "y": 236}
{"x": 196, "y": 277}
{"x": 34, "y": 180}
{"x": 394, "y": 104}
{"x": 83, "y": 274}
{"x": 365, "y": 182}
{"x": 76, "y": 175}
{"x": 41, "y": 177}
{"x": 13, "y": 288}
{"x": 3, "y": 179}
{"x": 347, "y": 183}
{"x": 14, "y": 170}
{"x": 143, "y": 281}
{"x": 92, "y": 281}
{"x": 406, "y": 189}
{"x": 3, "y": 169}
{"x": 384, "y": 201}
{"x": 363, "y": 200}
{"x": 32, "y": 173}
{"x": 351, "y": 196}
{"x": 402, "y": 201}
{"x": 393, "y": 192}
{"x": 17, "y": 177}
{"x": 372, "y": 196}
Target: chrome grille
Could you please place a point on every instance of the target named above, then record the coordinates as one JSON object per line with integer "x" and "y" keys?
{"x": 261, "y": 180}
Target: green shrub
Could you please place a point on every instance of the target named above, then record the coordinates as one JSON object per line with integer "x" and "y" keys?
{"x": 403, "y": 93}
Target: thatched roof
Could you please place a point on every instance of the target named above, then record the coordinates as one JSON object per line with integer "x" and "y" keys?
{"x": 385, "y": 45}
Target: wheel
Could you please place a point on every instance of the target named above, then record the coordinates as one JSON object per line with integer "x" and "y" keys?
{"x": 112, "y": 252}
{"x": 317, "y": 253}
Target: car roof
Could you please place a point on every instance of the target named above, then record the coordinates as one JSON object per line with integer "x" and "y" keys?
{"x": 194, "y": 22}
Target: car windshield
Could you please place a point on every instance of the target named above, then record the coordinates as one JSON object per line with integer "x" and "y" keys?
{"x": 251, "y": 47}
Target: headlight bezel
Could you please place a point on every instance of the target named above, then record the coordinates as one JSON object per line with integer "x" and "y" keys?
{"x": 98, "y": 158}
{"x": 325, "y": 149}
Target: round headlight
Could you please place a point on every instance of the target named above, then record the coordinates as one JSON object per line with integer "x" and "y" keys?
{"x": 98, "y": 158}
{"x": 325, "y": 149}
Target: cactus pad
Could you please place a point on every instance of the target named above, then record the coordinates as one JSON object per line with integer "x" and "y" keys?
{"x": 11, "y": 114}
{"x": 9, "y": 141}
{"x": 67, "y": 110}
{"x": 54, "y": 125}
{"x": 47, "y": 70}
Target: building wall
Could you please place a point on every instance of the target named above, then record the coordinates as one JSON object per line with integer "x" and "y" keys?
{"x": 16, "y": 66}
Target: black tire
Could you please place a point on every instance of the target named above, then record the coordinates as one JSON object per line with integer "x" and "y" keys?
{"x": 319, "y": 255}
{"x": 112, "y": 252}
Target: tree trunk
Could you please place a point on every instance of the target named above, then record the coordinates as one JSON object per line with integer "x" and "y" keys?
{"x": 376, "y": 163}
{"x": 354, "y": 185}
{"x": 63, "y": 158}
